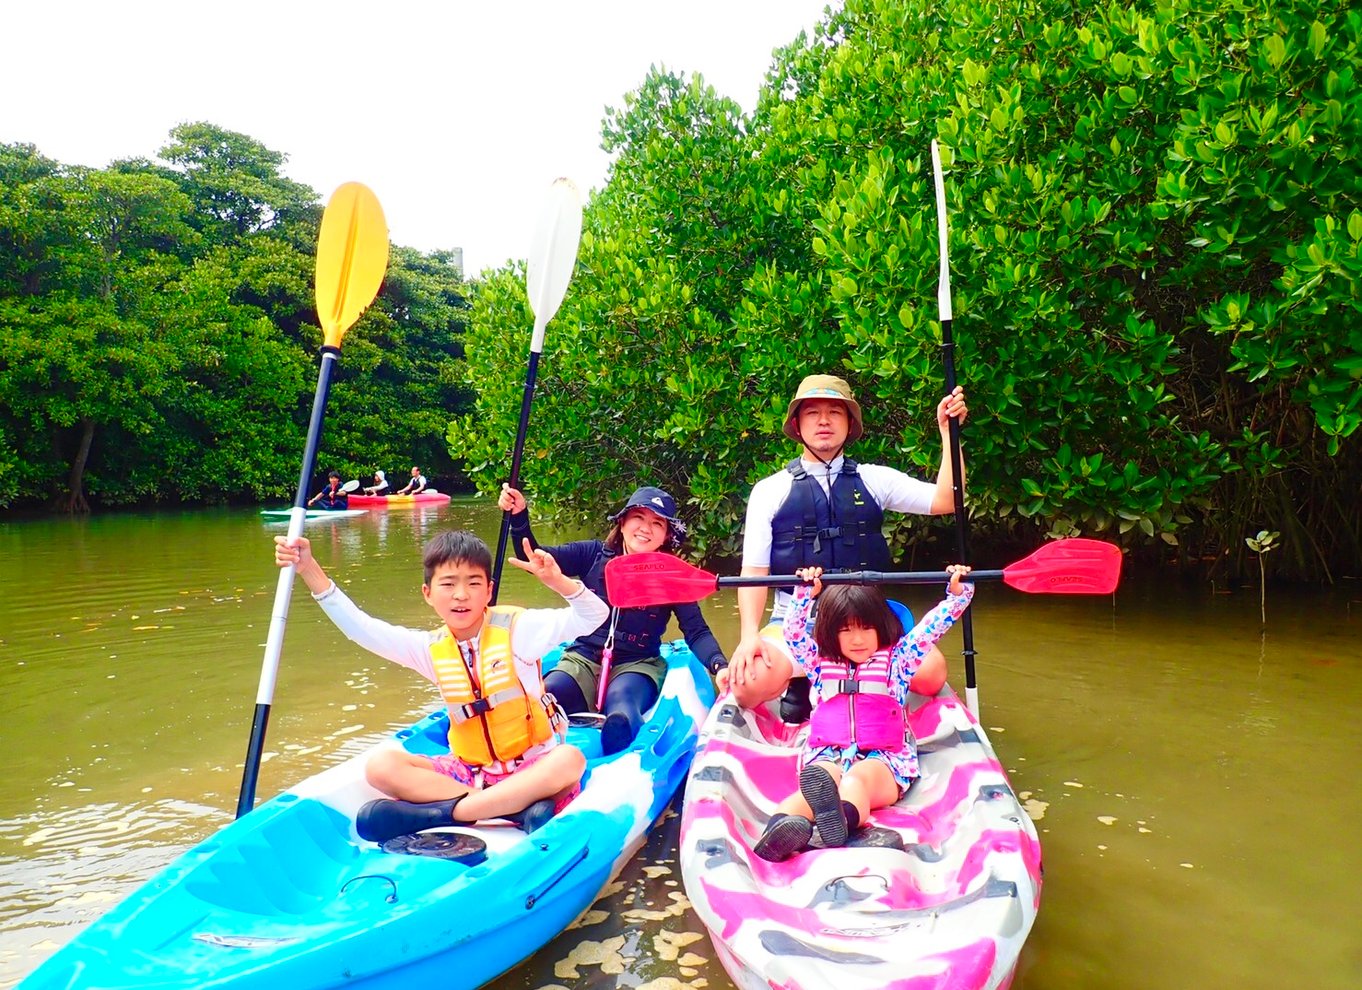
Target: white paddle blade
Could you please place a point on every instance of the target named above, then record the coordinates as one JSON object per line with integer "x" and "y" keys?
{"x": 553, "y": 255}
{"x": 943, "y": 284}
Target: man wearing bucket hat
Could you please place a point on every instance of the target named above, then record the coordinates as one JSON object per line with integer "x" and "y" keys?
{"x": 622, "y": 655}
{"x": 824, "y": 510}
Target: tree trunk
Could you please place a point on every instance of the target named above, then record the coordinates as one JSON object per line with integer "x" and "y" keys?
{"x": 74, "y": 500}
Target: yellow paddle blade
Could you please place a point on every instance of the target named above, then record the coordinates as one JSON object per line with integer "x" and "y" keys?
{"x": 352, "y": 256}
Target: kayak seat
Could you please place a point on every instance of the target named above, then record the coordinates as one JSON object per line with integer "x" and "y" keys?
{"x": 311, "y": 855}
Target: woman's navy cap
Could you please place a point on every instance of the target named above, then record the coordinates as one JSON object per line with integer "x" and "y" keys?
{"x": 654, "y": 499}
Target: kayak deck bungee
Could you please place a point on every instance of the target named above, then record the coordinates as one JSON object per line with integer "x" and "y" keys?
{"x": 939, "y": 893}
{"x": 289, "y": 896}
{"x": 398, "y": 501}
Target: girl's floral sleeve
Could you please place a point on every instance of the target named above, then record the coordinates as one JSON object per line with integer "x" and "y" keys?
{"x": 908, "y": 652}
{"x": 796, "y": 630}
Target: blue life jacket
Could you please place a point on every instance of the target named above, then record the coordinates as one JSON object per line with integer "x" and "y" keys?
{"x": 843, "y": 534}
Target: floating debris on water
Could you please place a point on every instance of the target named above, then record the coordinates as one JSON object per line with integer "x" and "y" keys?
{"x": 680, "y": 905}
{"x": 605, "y": 954}
{"x": 588, "y": 919}
{"x": 668, "y": 945}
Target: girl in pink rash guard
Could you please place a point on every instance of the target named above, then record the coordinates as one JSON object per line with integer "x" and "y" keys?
{"x": 859, "y": 755}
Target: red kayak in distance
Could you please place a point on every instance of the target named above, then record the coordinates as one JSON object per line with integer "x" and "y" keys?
{"x": 398, "y": 501}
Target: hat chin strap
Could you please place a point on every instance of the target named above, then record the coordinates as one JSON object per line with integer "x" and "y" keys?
{"x": 826, "y": 463}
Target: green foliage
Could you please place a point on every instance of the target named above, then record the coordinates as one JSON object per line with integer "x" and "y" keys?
{"x": 158, "y": 338}
{"x": 1262, "y": 544}
{"x": 1155, "y": 222}
{"x": 234, "y": 181}
{"x": 404, "y": 372}
{"x": 641, "y": 359}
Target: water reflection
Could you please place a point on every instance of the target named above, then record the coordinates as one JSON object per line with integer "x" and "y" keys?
{"x": 1194, "y": 781}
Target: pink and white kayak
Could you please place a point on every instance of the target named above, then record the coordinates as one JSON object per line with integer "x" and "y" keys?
{"x": 938, "y": 893}
{"x": 398, "y": 501}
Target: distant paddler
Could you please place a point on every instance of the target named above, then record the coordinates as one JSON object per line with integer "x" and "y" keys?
{"x": 334, "y": 496}
{"x": 417, "y": 484}
{"x": 380, "y": 485}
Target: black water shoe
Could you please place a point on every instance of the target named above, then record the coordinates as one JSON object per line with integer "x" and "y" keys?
{"x": 536, "y": 816}
{"x": 616, "y": 733}
{"x": 386, "y": 818}
{"x": 795, "y": 704}
{"x": 820, "y": 790}
{"x": 785, "y": 835}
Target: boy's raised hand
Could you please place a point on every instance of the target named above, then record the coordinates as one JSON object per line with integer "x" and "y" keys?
{"x": 297, "y": 552}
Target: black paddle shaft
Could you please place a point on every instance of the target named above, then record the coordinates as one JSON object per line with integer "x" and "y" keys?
{"x": 853, "y": 577}
{"x": 531, "y": 372}
{"x": 261, "y": 720}
{"x": 958, "y": 489}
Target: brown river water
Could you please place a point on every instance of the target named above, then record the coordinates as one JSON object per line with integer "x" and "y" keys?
{"x": 1194, "y": 778}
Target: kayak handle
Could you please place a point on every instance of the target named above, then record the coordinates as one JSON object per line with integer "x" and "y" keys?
{"x": 553, "y": 881}
{"x": 390, "y": 899}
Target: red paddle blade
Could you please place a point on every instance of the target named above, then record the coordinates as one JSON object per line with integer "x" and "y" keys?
{"x": 639, "y": 579}
{"x": 1068, "y": 567}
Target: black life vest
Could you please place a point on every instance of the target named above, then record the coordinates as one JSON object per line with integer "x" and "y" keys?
{"x": 843, "y": 534}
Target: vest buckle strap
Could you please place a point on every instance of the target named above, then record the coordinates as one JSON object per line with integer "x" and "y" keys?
{"x": 462, "y": 713}
{"x": 558, "y": 719}
{"x": 858, "y": 687}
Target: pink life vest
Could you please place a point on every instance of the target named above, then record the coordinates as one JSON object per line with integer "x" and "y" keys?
{"x": 857, "y": 704}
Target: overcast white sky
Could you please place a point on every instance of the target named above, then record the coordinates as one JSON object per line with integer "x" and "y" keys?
{"x": 457, "y": 114}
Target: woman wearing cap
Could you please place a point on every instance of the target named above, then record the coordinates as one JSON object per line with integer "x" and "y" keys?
{"x": 633, "y": 636}
{"x": 380, "y": 485}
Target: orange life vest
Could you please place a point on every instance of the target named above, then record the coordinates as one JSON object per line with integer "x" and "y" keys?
{"x": 490, "y": 715}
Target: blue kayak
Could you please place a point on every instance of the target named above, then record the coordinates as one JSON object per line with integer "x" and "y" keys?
{"x": 289, "y": 895}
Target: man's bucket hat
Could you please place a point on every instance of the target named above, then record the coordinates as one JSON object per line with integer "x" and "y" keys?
{"x": 825, "y": 387}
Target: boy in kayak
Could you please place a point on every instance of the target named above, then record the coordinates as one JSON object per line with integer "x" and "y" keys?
{"x": 332, "y": 496}
{"x": 508, "y": 757}
{"x": 626, "y": 650}
{"x": 417, "y": 484}
{"x": 860, "y": 754}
